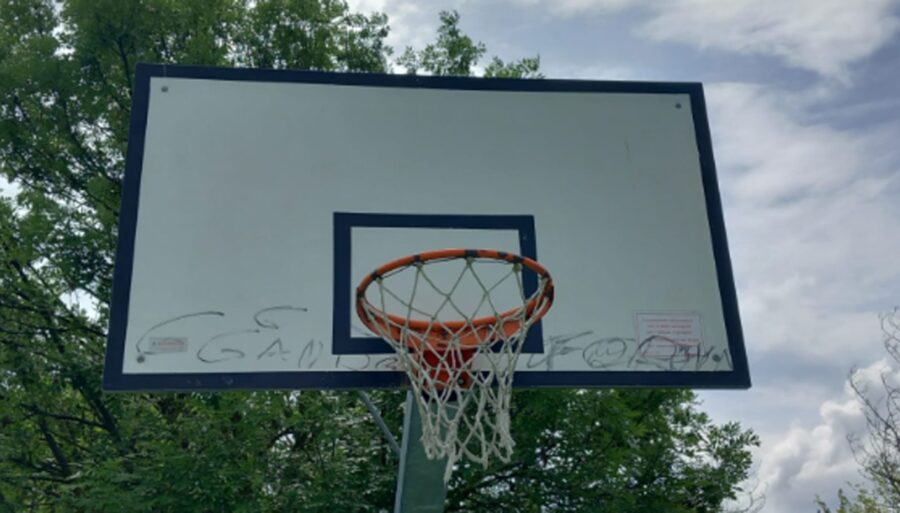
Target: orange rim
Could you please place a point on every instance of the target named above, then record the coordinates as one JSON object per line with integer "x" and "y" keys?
{"x": 469, "y": 334}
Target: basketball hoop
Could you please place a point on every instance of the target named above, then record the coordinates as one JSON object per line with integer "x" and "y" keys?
{"x": 462, "y": 368}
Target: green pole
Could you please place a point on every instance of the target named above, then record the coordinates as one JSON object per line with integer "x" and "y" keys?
{"x": 420, "y": 482}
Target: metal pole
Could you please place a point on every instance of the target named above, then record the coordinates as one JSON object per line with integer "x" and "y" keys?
{"x": 420, "y": 482}
{"x": 373, "y": 410}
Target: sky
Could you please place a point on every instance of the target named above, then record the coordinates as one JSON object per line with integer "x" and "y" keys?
{"x": 804, "y": 109}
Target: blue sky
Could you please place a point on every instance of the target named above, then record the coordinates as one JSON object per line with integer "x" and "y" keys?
{"x": 805, "y": 112}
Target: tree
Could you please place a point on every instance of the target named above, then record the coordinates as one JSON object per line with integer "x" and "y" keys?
{"x": 878, "y": 450}
{"x": 864, "y": 502}
{"x": 65, "y": 84}
{"x": 454, "y": 53}
{"x": 610, "y": 450}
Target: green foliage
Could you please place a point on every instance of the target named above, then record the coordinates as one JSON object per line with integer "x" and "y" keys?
{"x": 864, "y": 502}
{"x": 66, "y": 73}
{"x": 526, "y": 68}
{"x": 321, "y": 35}
{"x": 609, "y": 450}
{"x": 878, "y": 449}
{"x": 454, "y": 53}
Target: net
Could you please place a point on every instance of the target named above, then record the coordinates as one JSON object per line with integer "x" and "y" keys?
{"x": 461, "y": 369}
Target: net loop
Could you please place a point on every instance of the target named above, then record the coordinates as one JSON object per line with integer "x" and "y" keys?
{"x": 461, "y": 369}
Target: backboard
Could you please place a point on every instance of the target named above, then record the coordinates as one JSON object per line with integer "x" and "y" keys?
{"x": 255, "y": 201}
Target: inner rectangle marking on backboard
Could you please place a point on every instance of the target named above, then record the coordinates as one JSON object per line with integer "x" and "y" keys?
{"x": 363, "y": 242}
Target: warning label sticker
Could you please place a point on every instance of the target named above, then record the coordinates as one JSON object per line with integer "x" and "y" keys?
{"x": 669, "y": 334}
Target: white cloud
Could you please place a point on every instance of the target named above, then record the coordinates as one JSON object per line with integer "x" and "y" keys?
{"x": 824, "y": 36}
{"x": 808, "y": 207}
{"x": 595, "y": 71}
{"x": 801, "y": 462}
{"x": 762, "y": 135}
{"x": 567, "y": 8}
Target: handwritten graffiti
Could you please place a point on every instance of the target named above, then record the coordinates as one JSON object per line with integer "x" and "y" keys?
{"x": 265, "y": 336}
{"x": 276, "y": 334}
{"x": 623, "y": 353}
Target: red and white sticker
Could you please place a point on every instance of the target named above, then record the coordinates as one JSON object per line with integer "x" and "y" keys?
{"x": 168, "y": 345}
{"x": 669, "y": 334}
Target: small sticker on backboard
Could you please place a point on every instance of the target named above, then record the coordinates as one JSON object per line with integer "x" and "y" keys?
{"x": 167, "y": 345}
{"x": 669, "y": 334}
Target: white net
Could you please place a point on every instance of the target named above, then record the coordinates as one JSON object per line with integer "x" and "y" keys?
{"x": 461, "y": 370}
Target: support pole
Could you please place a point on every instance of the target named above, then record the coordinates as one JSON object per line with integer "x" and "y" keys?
{"x": 420, "y": 482}
{"x": 376, "y": 415}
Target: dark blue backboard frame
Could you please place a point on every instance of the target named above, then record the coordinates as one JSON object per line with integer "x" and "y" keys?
{"x": 115, "y": 380}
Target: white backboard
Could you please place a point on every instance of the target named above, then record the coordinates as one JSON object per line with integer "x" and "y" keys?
{"x": 256, "y": 201}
